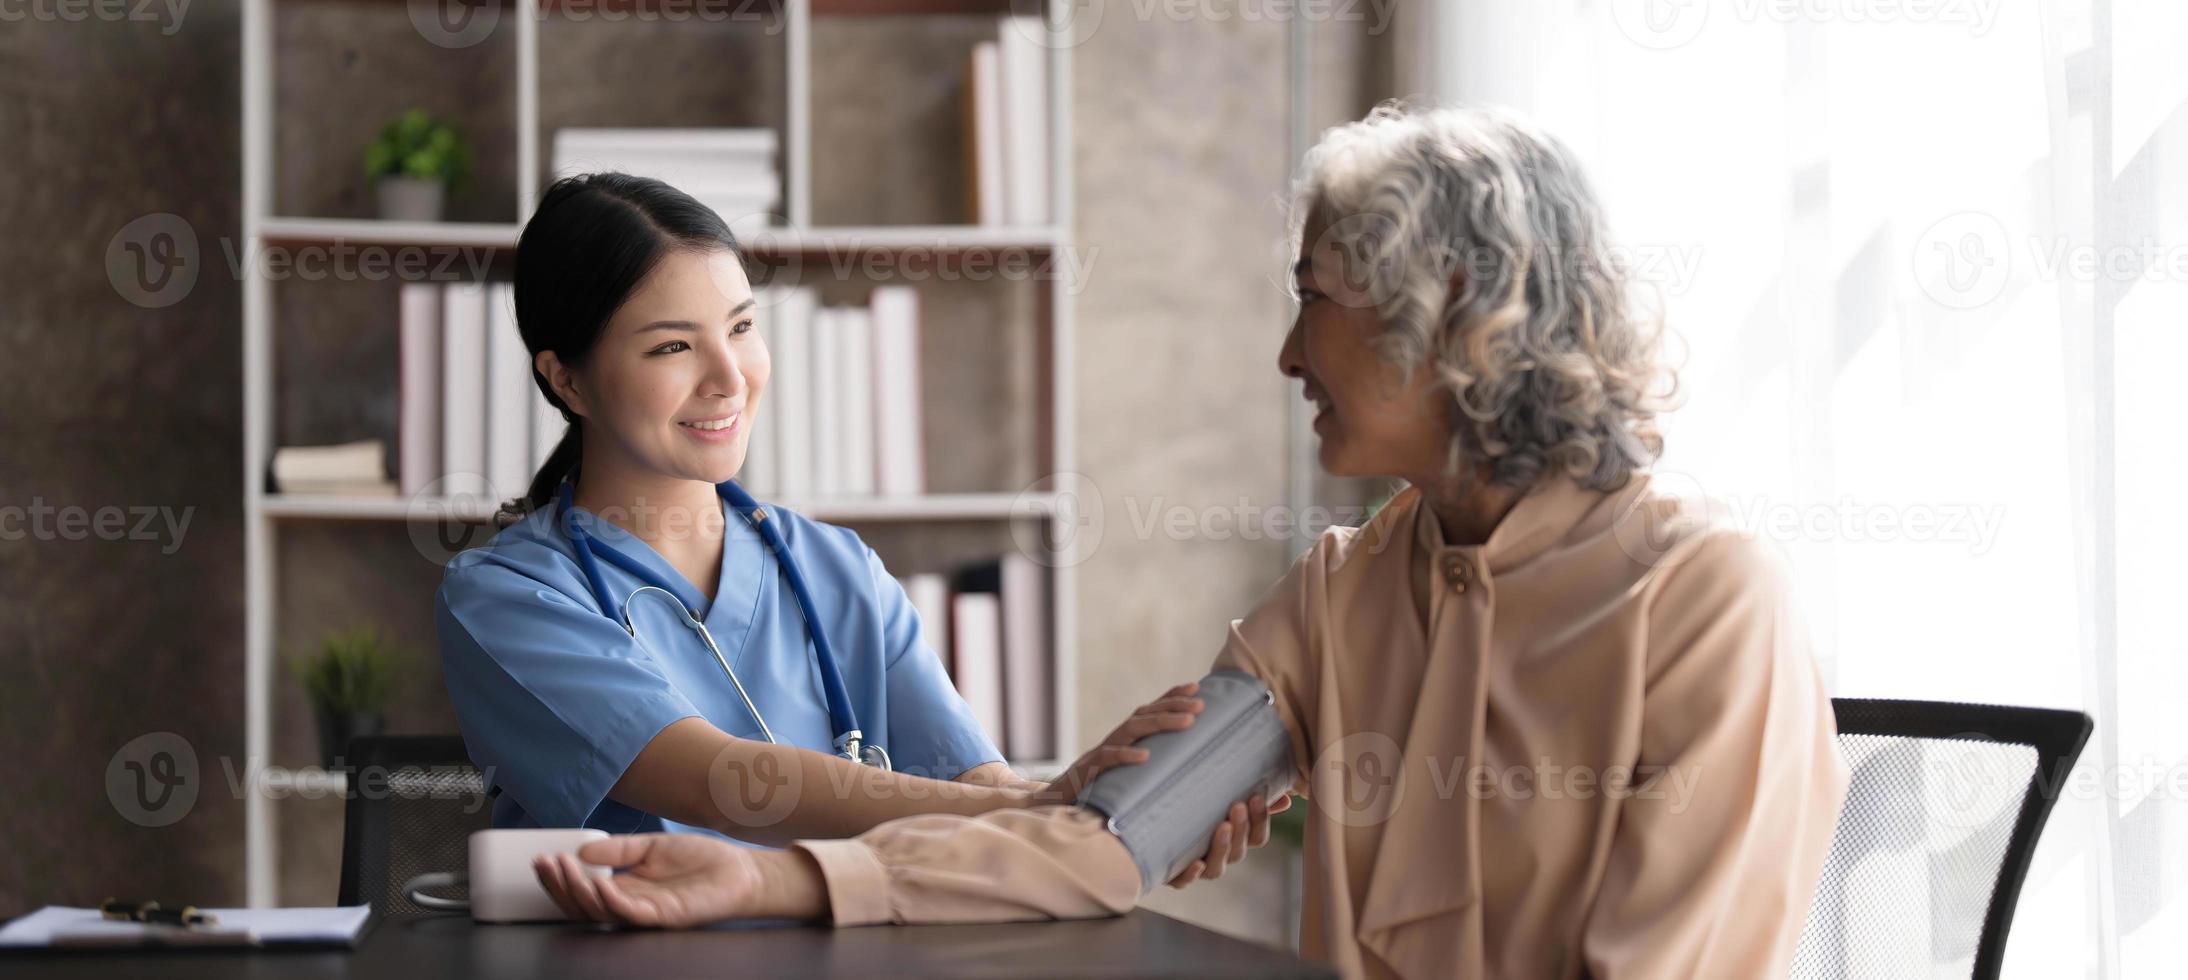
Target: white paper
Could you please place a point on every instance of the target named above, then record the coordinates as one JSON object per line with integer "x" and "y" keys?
{"x": 289, "y": 925}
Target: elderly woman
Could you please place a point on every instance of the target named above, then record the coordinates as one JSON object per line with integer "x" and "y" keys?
{"x": 1553, "y": 723}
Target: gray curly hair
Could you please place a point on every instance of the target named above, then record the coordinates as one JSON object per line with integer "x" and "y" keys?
{"x": 1486, "y": 255}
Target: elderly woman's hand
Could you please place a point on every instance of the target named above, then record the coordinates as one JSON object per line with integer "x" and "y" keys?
{"x": 1246, "y": 826}
{"x": 679, "y": 880}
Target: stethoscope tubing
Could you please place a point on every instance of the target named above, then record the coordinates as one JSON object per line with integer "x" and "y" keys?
{"x": 850, "y": 741}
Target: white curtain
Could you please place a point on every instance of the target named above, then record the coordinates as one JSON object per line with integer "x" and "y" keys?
{"x": 1929, "y": 259}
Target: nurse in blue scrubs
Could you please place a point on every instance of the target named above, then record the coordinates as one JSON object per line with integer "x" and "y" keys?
{"x": 643, "y": 330}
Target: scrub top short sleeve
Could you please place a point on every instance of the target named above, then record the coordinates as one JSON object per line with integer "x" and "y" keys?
{"x": 556, "y": 699}
{"x": 931, "y": 731}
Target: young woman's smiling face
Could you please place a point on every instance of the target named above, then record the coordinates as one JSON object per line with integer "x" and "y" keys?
{"x": 675, "y": 382}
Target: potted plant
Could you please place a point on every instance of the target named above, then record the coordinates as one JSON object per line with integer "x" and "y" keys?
{"x": 348, "y": 683}
{"x": 412, "y": 164}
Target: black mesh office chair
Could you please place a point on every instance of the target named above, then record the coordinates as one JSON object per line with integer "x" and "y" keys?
{"x": 1940, "y": 822}
{"x": 413, "y": 802}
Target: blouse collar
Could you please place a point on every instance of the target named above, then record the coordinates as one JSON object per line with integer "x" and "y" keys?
{"x": 1544, "y": 516}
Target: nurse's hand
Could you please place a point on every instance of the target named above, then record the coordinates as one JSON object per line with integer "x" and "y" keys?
{"x": 678, "y": 880}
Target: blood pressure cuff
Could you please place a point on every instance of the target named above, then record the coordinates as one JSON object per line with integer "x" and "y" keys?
{"x": 1166, "y": 809}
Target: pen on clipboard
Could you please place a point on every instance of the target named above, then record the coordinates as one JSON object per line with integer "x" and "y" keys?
{"x": 184, "y": 926}
{"x": 153, "y": 913}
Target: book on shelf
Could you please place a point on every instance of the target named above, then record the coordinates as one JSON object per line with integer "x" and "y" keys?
{"x": 929, "y": 594}
{"x": 855, "y": 387}
{"x": 351, "y": 469}
{"x": 790, "y": 398}
{"x": 1025, "y": 121}
{"x": 899, "y": 439}
{"x": 510, "y": 397}
{"x": 976, "y": 636}
{"x": 998, "y": 651}
{"x": 418, "y": 415}
{"x": 732, "y": 171}
{"x": 824, "y": 378}
{"x": 1027, "y": 664}
{"x": 841, "y": 416}
{"x": 472, "y": 422}
{"x": 463, "y": 390}
{"x": 984, "y": 135}
{"x": 1006, "y": 127}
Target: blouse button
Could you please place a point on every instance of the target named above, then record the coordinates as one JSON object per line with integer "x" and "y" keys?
{"x": 1454, "y": 572}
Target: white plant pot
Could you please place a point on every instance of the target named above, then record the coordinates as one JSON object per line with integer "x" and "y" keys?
{"x": 410, "y": 199}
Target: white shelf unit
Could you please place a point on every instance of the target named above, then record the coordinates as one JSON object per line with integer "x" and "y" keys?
{"x": 264, "y": 512}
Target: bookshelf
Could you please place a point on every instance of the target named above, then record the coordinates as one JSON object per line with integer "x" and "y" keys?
{"x": 278, "y": 525}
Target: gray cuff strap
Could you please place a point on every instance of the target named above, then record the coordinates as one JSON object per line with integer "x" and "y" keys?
{"x": 1166, "y": 809}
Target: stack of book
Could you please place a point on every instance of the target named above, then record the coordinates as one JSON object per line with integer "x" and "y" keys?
{"x": 841, "y": 414}
{"x": 732, "y": 171}
{"x": 355, "y": 469}
{"x": 1006, "y": 113}
{"x": 472, "y": 423}
{"x": 989, "y": 624}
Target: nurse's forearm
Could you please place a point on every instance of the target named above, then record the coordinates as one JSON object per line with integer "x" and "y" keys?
{"x": 694, "y": 773}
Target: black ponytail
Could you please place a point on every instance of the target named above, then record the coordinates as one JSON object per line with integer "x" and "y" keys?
{"x": 591, "y": 241}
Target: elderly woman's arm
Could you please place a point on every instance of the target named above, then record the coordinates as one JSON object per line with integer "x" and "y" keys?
{"x": 1712, "y": 876}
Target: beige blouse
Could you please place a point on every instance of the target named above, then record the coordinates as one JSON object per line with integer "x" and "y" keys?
{"x": 1602, "y": 750}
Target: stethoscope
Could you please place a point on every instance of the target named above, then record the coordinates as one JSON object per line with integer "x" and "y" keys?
{"x": 850, "y": 742}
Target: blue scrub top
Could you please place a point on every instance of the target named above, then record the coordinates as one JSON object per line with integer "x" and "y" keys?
{"x": 556, "y": 700}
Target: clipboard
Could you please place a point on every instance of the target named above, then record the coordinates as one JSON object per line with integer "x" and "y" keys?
{"x": 59, "y": 927}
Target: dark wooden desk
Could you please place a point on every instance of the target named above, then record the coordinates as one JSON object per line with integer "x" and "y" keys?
{"x": 1143, "y": 944}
